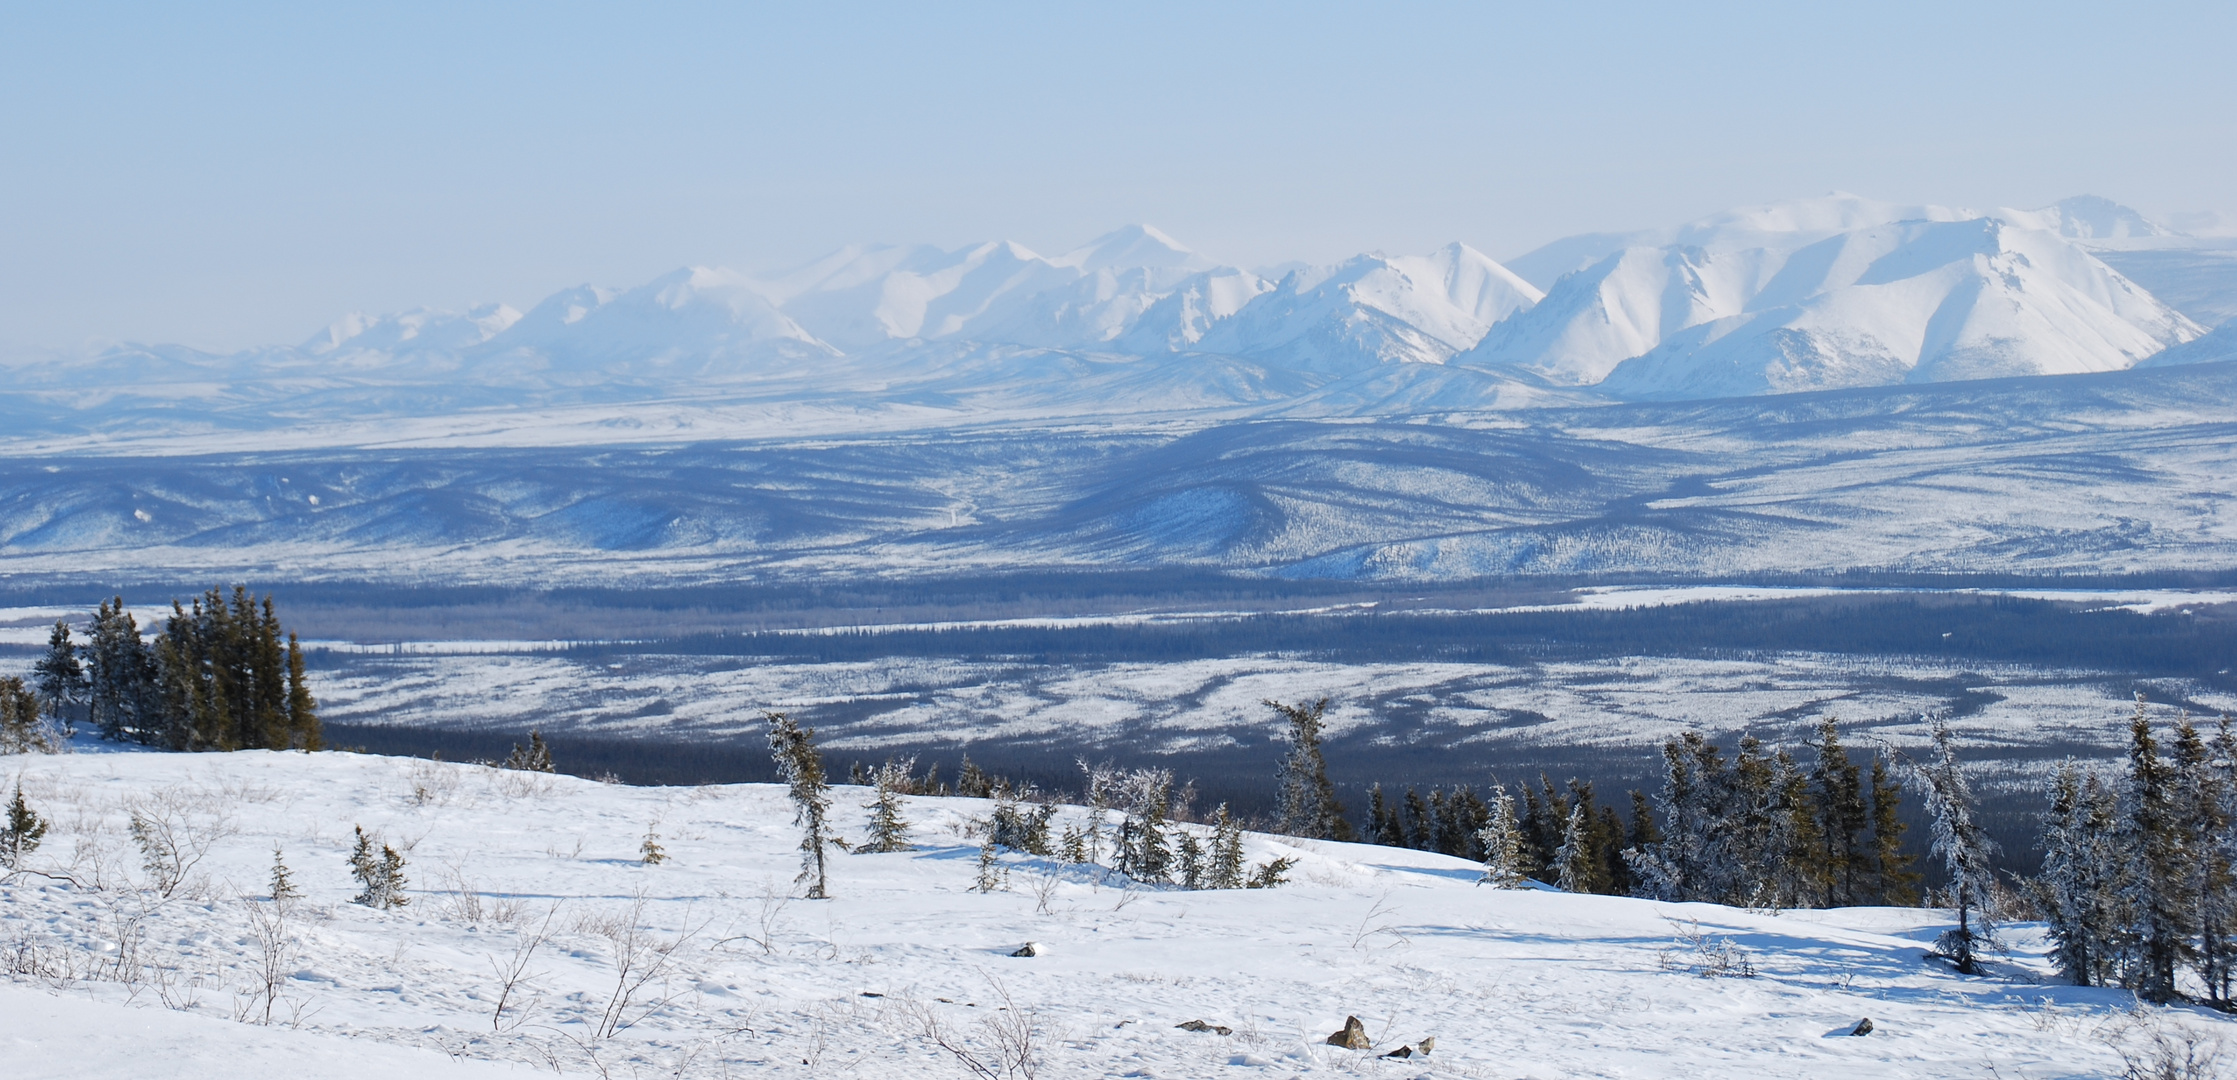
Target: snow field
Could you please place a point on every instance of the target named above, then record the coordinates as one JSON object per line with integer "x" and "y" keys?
{"x": 725, "y": 973}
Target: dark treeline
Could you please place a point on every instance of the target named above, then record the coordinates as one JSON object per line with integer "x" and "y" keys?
{"x": 1986, "y": 628}
{"x": 222, "y": 675}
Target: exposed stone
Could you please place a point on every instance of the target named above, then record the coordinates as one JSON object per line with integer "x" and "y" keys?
{"x": 1863, "y": 1027}
{"x": 1427, "y": 1045}
{"x": 1030, "y": 948}
{"x": 1199, "y": 1025}
{"x": 1353, "y": 1037}
{"x": 1401, "y": 1052}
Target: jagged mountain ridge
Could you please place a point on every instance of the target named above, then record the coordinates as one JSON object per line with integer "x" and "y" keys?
{"x": 1807, "y": 294}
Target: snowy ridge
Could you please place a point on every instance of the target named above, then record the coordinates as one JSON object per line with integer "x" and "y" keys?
{"x": 1807, "y": 294}
{"x": 749, "y": 980}
{"x": 1836, "y": 292}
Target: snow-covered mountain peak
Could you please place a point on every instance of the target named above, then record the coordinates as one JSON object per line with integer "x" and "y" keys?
{"x": 2091, "y": 217}
{"x": 1805, "y": 220}
{"x": 1135, "y": 246}
{"x": 414, "y": 330}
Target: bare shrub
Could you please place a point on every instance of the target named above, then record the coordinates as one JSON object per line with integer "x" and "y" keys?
{"x": 431, "y": 783}
{"x": 1005, "y": 1044}
{"x": 514, "y": 980}
{"x": 1710, "y": 956}
{"x": 175, "y": 831}
{"x": 640, "y": 960}
{"x": 270, "y": 965}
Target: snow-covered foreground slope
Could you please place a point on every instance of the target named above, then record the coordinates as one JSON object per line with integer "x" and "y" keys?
{"x": 740, "y": 978}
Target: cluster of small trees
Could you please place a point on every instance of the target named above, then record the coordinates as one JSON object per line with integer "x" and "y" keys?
{"x": 223, "y": 675}
{"x": 2139, "y": 879}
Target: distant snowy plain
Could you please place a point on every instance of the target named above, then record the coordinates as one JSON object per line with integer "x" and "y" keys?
{"x": 109, "y": 979}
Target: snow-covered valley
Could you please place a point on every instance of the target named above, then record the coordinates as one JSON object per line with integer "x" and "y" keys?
{"x": 727, "y": 972}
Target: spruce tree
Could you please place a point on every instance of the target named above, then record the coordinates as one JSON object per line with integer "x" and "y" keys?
{"x": 1384, "y": 826}
{"x": 1965, "y": 850}
{"x": 2206, "y": 879}
{"x": 1308, "y": 801}
{"x": 535, "y": 757}
{"x": 302, "y": 709}
{"x": 1226, "y": 870}
{"x": 889, "y": 831}
{"x": 1837, "y": 788}
{"x": 794, "y": 749}
{"x": 22, "y": 730}
{"x": 121, "y": 698}
{"x": 23, "y": 832}
{"x": 2080, "y": 882}
{"x": 1420, "y": 826}
{"x": 283, "y": 887}
{"x": 1505, "y": 865}
{"x": 1575, "y": 869}
{"x": 380, "y": 875}
{"x": 1893, "y": 882}
{"x": 1798, "y": 868}
{"x": 61, "y": 679}
{"x": 972, "y": 782}
{"x": 1189, "y": 855}
{"x": 2156, "y": 933}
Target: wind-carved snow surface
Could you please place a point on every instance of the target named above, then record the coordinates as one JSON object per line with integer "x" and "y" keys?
{"x": 740, "y": 978}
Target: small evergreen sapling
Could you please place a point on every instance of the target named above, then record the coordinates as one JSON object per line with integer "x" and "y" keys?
{"x": 1227, "y": 851}
{"x": 889, "y": 831}
{"x": 380, "y": 874}
{"x": 535, "y": 757}
{"x": 991, "y": 874}
{"x": 23, "y": 832}
{"x": 650, "y": 852}
{"x": 284, "y": 890}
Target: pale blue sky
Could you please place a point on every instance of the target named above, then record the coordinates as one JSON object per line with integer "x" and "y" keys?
{"x": 225, "y": 175}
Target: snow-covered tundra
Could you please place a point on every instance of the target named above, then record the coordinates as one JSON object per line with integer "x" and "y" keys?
{"x": 142, "y": 939}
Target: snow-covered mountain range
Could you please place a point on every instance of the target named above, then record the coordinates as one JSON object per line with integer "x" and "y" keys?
{"x": 1810, "y": 294}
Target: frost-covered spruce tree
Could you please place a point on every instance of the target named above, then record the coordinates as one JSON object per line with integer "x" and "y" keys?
{"x": 1965, "y": 851}
{"x": 1100, "y": 781}
{"x": 2155, "y": 935}
{"x": 2080, "y": 886}
{"x": 2206, "y": 873}
{"x": 1227, "y": 851}
{"x": 1573, "y": 862}
{"x": 380, "y": 875}
{"x": 1505, "y": 866}
{"x": 1189, "y": 854}
{"x": 1144, "y": 854}
{"x": 794, "y": 749}
{"x": 1308, "y": 805}
{"x": 889, "y": 831}
{"x": 2220, "y": 904}
{"x": 1679, "y": 865}
{"x": 1016, "y": 828}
